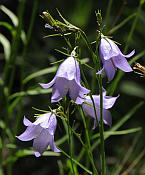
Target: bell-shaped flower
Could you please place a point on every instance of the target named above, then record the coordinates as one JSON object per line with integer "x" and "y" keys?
{"x": 108, "y": 102}
{"x": 67, "y": 80}
{"x": 112, "y": 58}
{"x": 41, "y": 132}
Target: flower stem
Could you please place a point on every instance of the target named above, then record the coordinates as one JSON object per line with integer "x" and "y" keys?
{"x": 88, "y": 143}
{"x": 101, "y": 131}
{"x": 70, "y": 137}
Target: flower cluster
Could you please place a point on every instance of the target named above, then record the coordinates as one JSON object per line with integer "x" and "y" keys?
{"x": 68, "y": 81}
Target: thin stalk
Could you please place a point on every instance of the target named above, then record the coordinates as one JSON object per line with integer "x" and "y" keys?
{"x": 99, "y": 78}
{"x": 101, "y": 123}
{"x": 76, "y": 162}
{"x": 88, "y": 143}
{"x": 70, "y": 141}
{"x": 94, "y": 57}
{"x": 101, "y": 130}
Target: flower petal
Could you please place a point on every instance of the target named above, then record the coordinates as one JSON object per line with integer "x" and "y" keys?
{"x": 43, "y": 120}
{"x": 107, "y": 117}
{"x": 60, "y": 89}
{"x": 37, "y": 154}
{"x": 52, "y": 145}
{"x": 109, "y": 101}
{"x": 100, "y": 71}
{"x": 128, "y": 55}
{"x": 121, "y": 63}
{"x": 108, "y": 49}
{"x": 77, "y": 92}
{"x": 30, "y": 133}
{"x": 27, "y": 122}
{"x": 52, "y": 123}
{"x": 41, "y": 142}
{"x": 88, "y": 109}
{"x": 47, "y": 85}
{"x": 109, "y": 69}
{"x": 48, "y": 26}
{"x": 69, "y": 69}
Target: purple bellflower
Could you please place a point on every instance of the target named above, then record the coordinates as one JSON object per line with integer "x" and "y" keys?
{"x": 41, "y": 132}
{"x": 112, "y": 58}
{"x": 67, "y": 80}
{"x": 108, "y": 102}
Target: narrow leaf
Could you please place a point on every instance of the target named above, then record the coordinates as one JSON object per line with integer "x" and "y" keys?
{"x": 39, "y": 73}
{"x": 6, "y": 45}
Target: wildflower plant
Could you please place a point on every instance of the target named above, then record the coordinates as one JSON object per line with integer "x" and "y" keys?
{"x": 80, "y": 102}
{"x": 73, "y": 90}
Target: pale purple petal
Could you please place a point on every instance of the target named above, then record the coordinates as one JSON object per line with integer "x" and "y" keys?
{"x": 43, "y": 120}
{"x": 109, "y": 101}
{"x": 30, "y": 133}
{"x": 128, "y": 55}
{"x": 79, "y": 100}
{"x": 48, "y": 26}
{"x": 121, "y": 63}
{"x": 37, "y": 154}
{"x": 27, "y": 122}
{"x": 52, "y": 123}
{"x": 47, "y": 85}
{"x": 69, "y": 69}
{"x": 47, "y": 121}
{"x": 41, "y": 142}
{"x": 60, "y": 89}
{"x": 107, "y": 117}
{"x": 77, "y": 92}
{"x": 100, "y": 71}
{"x": 109, "y": 69}
{"x": 52, "y": 145}
{"x": 108, "y": 49}
{"x": 89, "y": 109}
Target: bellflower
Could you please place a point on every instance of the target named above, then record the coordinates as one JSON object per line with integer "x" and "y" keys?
{"x": 41, "y": 132}
{"x": 112, "y": 58}
{"x": 67, "y": 80}
{"x": 108, "y": 102}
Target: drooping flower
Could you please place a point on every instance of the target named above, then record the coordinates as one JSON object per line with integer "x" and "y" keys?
{"x": 41, "y": 132}
{"x": 67, "y": 80}
{"x": 112, "y": 58}
{"x": 108, "y": 102}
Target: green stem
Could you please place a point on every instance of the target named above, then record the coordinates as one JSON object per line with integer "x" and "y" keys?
{"x": 88, "y": 142}
{"x": 70, "y": 141}
{"x": 76, "y": 162}
{"x": 101, "y": 130}
{"x": 99, "y": 78}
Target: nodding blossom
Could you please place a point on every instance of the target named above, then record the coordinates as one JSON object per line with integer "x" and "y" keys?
{"x": 108, "y": 102}
{"x": 112, "y": 58}
{"x": 67, "y": 80}
{"x": 41, "y": 132}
